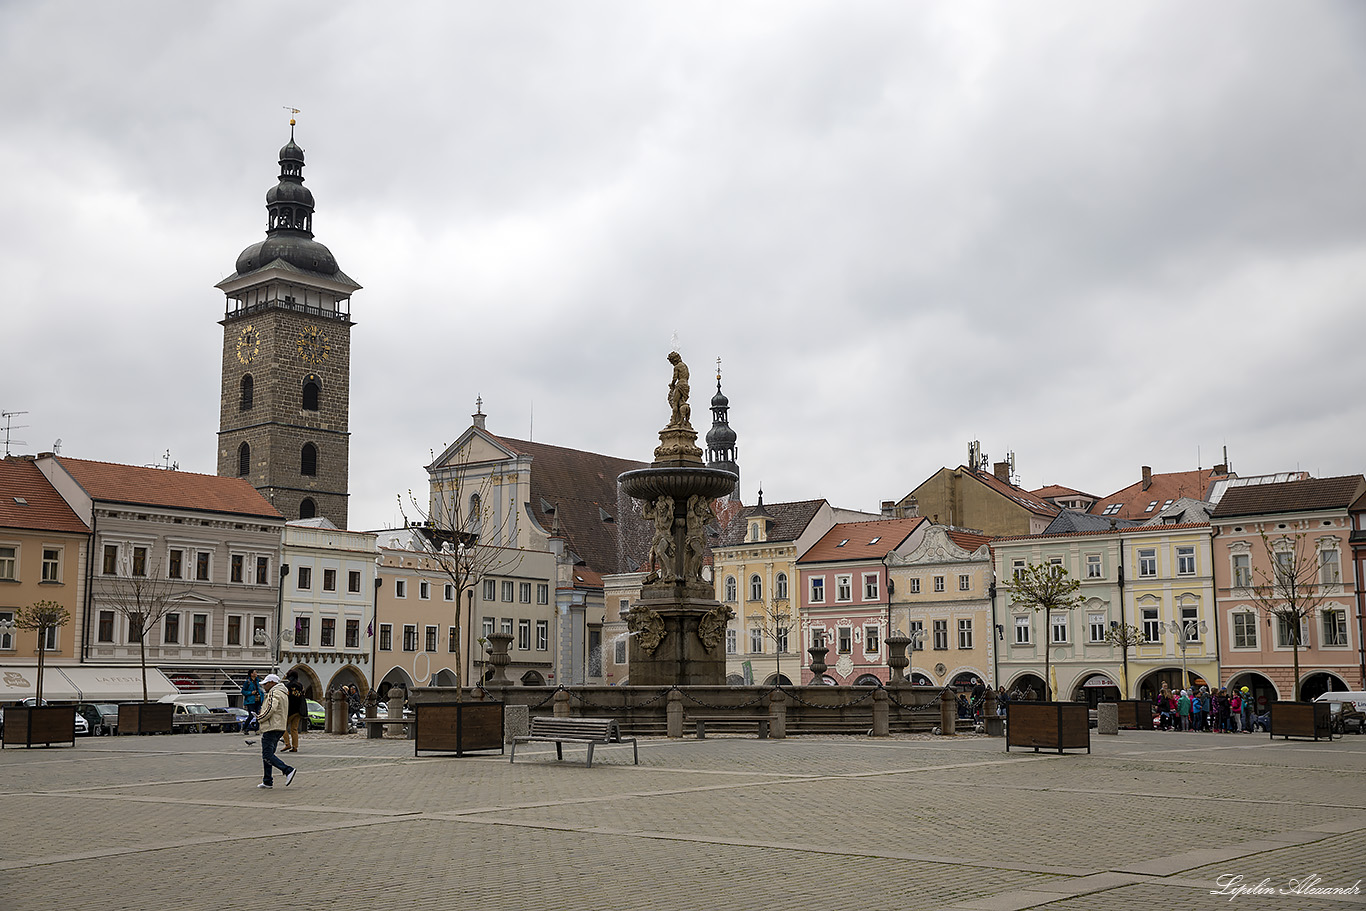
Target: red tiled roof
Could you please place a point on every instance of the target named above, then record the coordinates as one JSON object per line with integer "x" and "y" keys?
{"x": 1173, "y": 485}
{"x": 862, "y": 540}
{"x": 1291, "y": 496}
{"x": 133, "y": 485}
{"x": 586, "y": 578}
{"x": 43, "y": 508}
{"x": 967, "y": 540}
{"x": 1057, "y": 490}
{"x": 1130, "y": 530}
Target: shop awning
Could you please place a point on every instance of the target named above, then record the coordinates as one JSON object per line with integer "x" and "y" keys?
{"x": 19, "y": 682}
{"x": 115, "y": 684}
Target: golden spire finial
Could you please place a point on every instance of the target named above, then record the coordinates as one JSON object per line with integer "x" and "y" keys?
{"x": 292, "y": 111}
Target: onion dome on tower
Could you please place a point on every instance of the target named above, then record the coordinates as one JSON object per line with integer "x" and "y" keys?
{"x": 721, "y": 449}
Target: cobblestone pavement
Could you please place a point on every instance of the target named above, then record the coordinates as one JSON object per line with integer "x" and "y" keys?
{"x": 1149, "y": 820}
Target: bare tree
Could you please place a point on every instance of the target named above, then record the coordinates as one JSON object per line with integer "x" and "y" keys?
{"x": 143, "y": 600}
{"x": 1293, "y": 589}
{"x": 776, "y": 626}
{"x": 1045, "y": 589}
{"x": 40, "y": 617}
{"x": 1125, "y": 636}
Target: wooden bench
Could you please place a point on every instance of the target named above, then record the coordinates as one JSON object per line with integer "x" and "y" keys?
{"x": 702, "y": 721}
{"x": 559, "y": 731}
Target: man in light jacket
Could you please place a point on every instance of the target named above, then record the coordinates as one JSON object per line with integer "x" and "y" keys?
{"x": 273, "y": 718}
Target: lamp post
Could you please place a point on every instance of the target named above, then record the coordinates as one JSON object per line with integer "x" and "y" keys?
{"x": 917, "y": 637}
{"x": 1186, "y": 631}
{"x": 7, "y": 628}
{"x": 263, "y": 638}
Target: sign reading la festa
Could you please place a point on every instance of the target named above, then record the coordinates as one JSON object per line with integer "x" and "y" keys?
{"x": 1235, "y": 886}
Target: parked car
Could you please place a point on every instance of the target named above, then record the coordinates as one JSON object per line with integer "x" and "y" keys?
{"x": 82, "y": 726}
{"x": 95, "y": 718}
{"x": 242, "y": 721}
{"x": 315, "y": 716}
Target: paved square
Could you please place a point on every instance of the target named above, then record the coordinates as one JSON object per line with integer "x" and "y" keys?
{"x": 1149, "y": 820}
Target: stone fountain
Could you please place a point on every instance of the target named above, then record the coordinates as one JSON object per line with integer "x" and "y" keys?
{"x": 678, "y": 627}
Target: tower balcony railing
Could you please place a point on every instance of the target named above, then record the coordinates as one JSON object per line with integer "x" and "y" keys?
{"x": 337, "y": 313}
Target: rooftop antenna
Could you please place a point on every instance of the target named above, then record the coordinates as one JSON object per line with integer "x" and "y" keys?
{"x": 57, "y": 447}
{"x": 8, "y": 426}
{"x": 166, "y": 463}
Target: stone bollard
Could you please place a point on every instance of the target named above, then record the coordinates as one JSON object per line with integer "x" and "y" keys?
{"x": 338, "y": 721}
{"x": 674, "y": 714}
{"x": 777, "y": 710}
{"x": 880, "y": 725}
{"x": 395, "y": 712}
{"x": 372, "y": 731}
{"x": 561, "y": 704}
{"x": 948, "y": 712}
{"x": 995, "y": 725}
{"x": 1107, "y": 718}
{"x": 516, "y": 722}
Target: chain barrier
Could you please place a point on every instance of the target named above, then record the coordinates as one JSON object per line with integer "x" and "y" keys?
{"x": 817, "y": 705}
{"x": 734, "y": 705}
{"x": 634, "y": 705}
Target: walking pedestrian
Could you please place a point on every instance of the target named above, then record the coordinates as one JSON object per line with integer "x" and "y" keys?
{"x": 273, "y": 718}
{"x": 1183, "y": 708}
{"x": 251, "y": 696}
{"x": 297, "y": 706}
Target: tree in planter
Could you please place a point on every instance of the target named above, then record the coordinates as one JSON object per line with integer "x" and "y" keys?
{"x": 1125, "y": 636}
{"x": 143, "y": 601}
{"x": 1045, "y": 589}
{"x": 1294, "y": 588}
{"x": 41, "y": 617}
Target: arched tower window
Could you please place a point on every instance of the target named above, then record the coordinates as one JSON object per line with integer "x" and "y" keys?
{"x": 248, "y": 390}
{"x": 312, "y": 389}
{"x": 308, "y": 461}
{"x": 243, "y": 460}
{"x": 307, "y": 509}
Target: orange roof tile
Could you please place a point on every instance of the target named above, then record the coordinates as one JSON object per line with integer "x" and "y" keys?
{"x": 113, "y": 483}
{"x": 967, "y": 540}
{"x": 1133, "y": 501}
{"x": 29, "y": 501}
{"x": 861, "y": 540}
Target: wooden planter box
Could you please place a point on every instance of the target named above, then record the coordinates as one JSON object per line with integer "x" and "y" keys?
{"x": 1301, "y": 719}
{"x": 39, "y": 724}
{"x": 1048, "y": 726}
{"x": 146, "y": 718}
{"x": 458, "y": 727}
{"x": 1135, "y": 715}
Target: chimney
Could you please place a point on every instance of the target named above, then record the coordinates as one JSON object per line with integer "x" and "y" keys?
{"x": 911, "y": 510}
{"x": 1001, "y": 470}
{"x": 889, "y": 508}
{"x": 1147, "y": 477}
{"x": 1220, "y": 469}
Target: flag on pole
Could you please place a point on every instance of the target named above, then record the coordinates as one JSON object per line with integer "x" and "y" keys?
{"x": 370, "y": 630}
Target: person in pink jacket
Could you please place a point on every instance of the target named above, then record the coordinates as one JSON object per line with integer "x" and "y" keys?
{"x": 273, "y": 719}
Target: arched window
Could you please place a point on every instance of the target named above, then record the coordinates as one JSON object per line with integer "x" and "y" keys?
{"x": 308, "y": 461}
{"x": 756, "y": 588}
{"x": 730, "y": 588}
{"x": 780, "y": 587}
{"x": 248, "y": 390}
{"x": 243, "y": 460}
{"x": 312, "y": 389}
{"x": 307, "y": 509}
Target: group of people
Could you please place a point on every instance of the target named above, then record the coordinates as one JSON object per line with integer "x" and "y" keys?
{"x": 1229, "y": 710}
{"x": 278, "y": 706}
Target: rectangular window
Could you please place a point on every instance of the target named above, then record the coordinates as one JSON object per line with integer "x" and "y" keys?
{"x": 1285, "y": 631}
{"x": 524, "y": 592}
{"x": 424, "y": 592}
{"x": 304, "y": 581}
{"x": 1093, "y": 568}
{"x": 1190, "y": 622}
{"x": 818, "y": 638}
{"x": 329, "y": 580}
{"x": 941, "y": 635}
{"x": 353, "y": 634}
{"x": 490, "y": 590}
{"x": 964, "y": 582}
{"x": 1059, "y": 626}
{"x": 524, "y": 635}
{"x": 939, "y": 583}
{"x": 917, "y": 641}
{"x": 844, "y": 640}
{"x": 1017, "y": 568}
{"x": 732, "y": 643}
{"x": 450, "y": 639}
{"x": 542, "y": 593}
{"x": 238, "y": 568}
{"x": 1242, "y": 571}
{"x": 870, "y": 586}
{"x": 303, "y": 630}
{"x": 175, "y": 565}
{"x": 410, "y": 637}
{"x": 756, "y": 641}
{"x": 7, "y": 637}
{"x": 915, "y": 585}
{"x": 139, "y": 561}
{"x": 965, "y": 632}
{"x": 400, "y": 588}
{"x": 1022, "y": 631}
{"x": 1096, "y": 624}
{"x": 1329, "y": 573}
{"x": 327, "y": 633}
{"x": 263, "y": 571}
{"x": 505, "y": 626}
{"x": 51, "y": 565}
{"x": 1185, "y": 561}
{"x": 780, "y": 640}
{"x": 171, "y": 629}
{"x": 106, "y": 626}
{"x": 1245, "y": 630}
{"x": 870, "y": 640}
{"x": 619, "y": 651}
{"x": 487, "y": 626}
{"x": 234, "y": 630}
{"x": 429, "y": 635}
{"x": 844, "y": 588}
{"x": 507, "y": 592}
{"x": 1055, "y": 565}
{"x": 542, "y": 635}
{"x": 50, "y": 636}
{"x": 449, "y": 592}
{"x": 201, "y": 566}
{"x": 1334, "y": 627}
{"x": 1147, "y": 561}
{"x": 199, "y": 629}
{"x": 353, "y": 581}
{"x": 258, "y": 629}
{"x": 111, "y": 561}
{"x": 818, "y": 590}
{"x": 1152, "y": 626}
{"x": 386, "y": 637}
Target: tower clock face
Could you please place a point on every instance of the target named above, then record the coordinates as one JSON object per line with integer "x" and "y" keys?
{"x": 313, "y": 347}
{"x": 248, "y": 345}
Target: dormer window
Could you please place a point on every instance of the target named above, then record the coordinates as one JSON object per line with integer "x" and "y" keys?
{"x": 842, "y": 543}
{"x": 875, "y": 540}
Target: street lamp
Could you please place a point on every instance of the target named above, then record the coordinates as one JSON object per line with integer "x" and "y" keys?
{"x": 1186, "y": 632}
{"x": 263, "y": 638}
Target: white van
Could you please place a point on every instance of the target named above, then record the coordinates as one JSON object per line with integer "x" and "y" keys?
{"x": 216, "y": 700}
{"x": 1336, "y": 700}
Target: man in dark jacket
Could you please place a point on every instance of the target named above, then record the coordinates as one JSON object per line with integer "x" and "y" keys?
{"x": 297, "y": 706}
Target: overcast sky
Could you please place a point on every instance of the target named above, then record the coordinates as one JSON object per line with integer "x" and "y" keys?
{"x": 1100, "y": 236}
